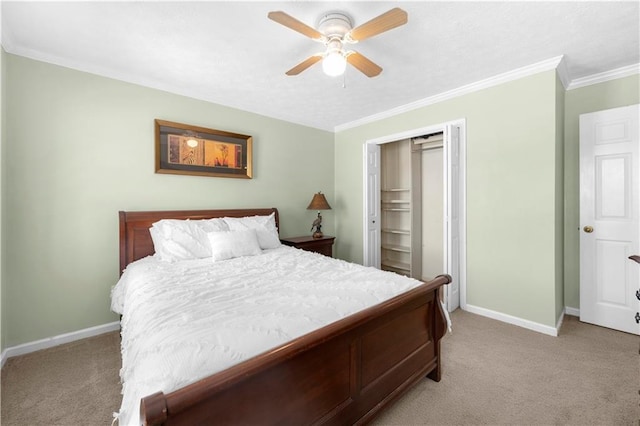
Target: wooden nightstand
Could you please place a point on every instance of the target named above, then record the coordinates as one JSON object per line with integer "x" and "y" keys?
{"x": 322, "y": 245}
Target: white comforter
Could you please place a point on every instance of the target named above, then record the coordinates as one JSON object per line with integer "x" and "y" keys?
{"x": 184, "y": 321}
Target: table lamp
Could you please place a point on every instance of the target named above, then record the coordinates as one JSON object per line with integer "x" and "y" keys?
{"x": 318, "y": 202}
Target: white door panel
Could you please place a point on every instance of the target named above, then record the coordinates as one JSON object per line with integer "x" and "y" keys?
{"x": 609, "y": 218}
{"x": 452, "y": 222}
{"x": 372, "y": 205}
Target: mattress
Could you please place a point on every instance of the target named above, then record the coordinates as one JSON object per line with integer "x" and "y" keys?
{"x": 186, "y": 320}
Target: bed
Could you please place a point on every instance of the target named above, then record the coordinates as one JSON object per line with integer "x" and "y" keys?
{"x": 344, "y": 372}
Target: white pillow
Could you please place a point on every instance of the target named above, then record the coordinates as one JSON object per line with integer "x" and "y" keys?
{"x": 175, "y": 239}
{"x": 230, "y": 244}
{"x": 265, "y": 227}
{"x": 159, "y": 245}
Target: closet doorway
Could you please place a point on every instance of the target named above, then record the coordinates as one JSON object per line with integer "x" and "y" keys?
{"x": 414, "y": 209}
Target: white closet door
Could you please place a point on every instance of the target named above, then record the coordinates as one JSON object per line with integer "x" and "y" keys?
{"x": 451, "y": 169}
{"x": 372, "y": 207}
{"x": 432, "y": 215}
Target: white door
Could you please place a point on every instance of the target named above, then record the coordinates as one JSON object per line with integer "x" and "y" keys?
{"x": 451, "y": 238}
{"x": 372, "y": 205}
{"x": 609, "y": 218}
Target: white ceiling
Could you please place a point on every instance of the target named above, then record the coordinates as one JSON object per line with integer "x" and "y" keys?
{"x": 230, "y": 53}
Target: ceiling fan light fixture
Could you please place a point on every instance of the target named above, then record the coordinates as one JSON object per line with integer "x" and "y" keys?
{"x": 334, "y": 30}
{"x": 334, "y": 63}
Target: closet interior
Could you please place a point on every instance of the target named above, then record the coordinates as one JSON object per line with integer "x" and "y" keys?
{"x": 411, "y": 206}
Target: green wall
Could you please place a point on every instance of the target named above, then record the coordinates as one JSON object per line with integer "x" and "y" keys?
{"x": 76, "y": 148}
{"x": 80, "y": 147}
{"x": 597, "y": 97}
{"x": 512, "y": 195}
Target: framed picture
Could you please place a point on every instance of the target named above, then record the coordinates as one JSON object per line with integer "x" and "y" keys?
{"x": 190, "y": 150}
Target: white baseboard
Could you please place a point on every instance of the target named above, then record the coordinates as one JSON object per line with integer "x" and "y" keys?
{"x": 520, "y": 322}
{"x": 113, "y": 326}
{"x": 50, "y": 342}
{"x": 3, "y": 358}
{"x": 575, "y": 312}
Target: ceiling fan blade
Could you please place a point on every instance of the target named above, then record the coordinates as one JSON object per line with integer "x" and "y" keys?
{"x": 291, "y": 22}
{"x": 385, "y": 22}
{"x": 304, "y": 64}
{"x": 363, "y": 64}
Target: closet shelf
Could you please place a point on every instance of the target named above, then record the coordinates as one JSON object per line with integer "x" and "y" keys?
{"x": 392, "y": 247}
{"x": 398, "y": 207}
{"x": 396, "y": 231}
{"x": 396, "y": 266}
{"x": 395, "y": 210}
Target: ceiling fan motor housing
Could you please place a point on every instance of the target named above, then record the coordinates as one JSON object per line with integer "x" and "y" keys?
{"x": 335, "y": 24}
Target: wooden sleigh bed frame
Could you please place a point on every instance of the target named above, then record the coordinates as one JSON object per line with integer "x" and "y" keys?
{"x": 343, "y": 373}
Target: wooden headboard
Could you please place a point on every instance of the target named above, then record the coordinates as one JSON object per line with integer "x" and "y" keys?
{"x": 135, "y": 239}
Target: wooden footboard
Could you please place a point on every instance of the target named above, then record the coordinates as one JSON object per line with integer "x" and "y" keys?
{"x": 344, "y": 373}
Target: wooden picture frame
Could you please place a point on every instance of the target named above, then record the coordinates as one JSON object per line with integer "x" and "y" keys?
{"x": 190, "y": 150}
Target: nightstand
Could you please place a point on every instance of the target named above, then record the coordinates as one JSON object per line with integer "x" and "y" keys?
{"x": 322, "y": 245}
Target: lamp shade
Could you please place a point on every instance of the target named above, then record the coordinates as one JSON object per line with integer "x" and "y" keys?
{"x": 319, "y": 202}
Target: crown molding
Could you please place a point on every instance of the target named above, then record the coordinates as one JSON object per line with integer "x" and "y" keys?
{"x": 559, "y": 63}
{"x": 604, "y": 76}
{"x": 150, "y": 83}
{"x": 516, "y": 74}
{"x": 563, "y": 73}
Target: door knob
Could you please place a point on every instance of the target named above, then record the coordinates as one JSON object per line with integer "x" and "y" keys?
{"x": 588, "y": 229}
{"x": 638, "y": 294}
{"x": 637, "y": 318}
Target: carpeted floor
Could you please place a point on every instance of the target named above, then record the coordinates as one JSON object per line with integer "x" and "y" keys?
{"x": 73, "y": 384}
{"x": 494, "y": 373}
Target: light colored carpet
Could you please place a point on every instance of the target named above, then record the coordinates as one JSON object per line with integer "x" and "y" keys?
{"x": 499, "y": 374}
{"x": 494, "y": 373}
{"x": 73, "y": 384}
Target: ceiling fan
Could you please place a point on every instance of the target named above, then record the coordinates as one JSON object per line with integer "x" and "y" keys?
{"x": 335, "y": 30}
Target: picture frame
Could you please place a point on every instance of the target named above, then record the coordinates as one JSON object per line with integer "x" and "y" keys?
{"x": 191, "y": 150}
